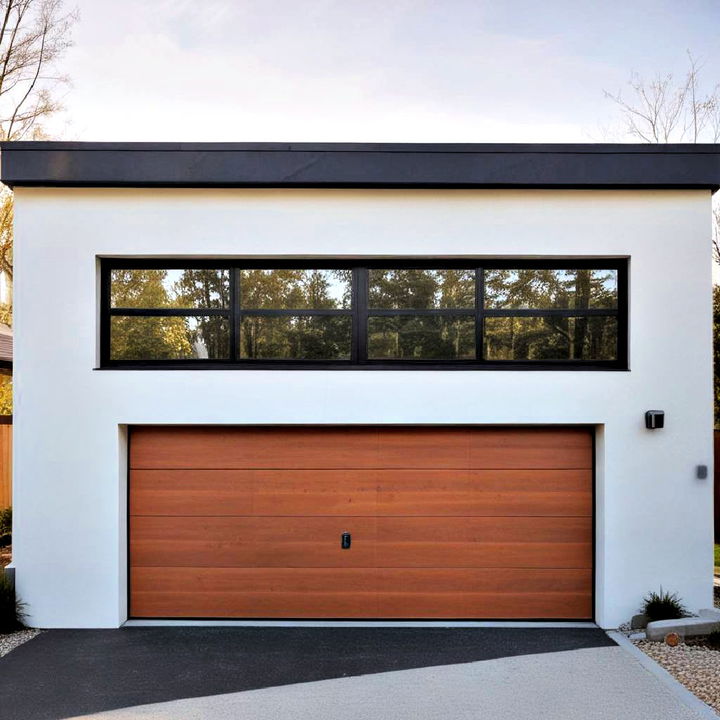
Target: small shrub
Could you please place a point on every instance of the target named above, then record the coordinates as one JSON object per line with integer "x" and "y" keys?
{"x": 5, "y": 526}
{"x": 663, "y": 606}
{"x": 12, "y": 612}
{"x": 713, "y": 638}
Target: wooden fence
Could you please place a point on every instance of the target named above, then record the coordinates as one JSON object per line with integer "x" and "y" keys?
{"x": 716, "y": 502}
{"x": 5, "y": 461}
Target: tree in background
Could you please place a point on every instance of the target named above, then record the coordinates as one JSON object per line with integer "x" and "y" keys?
{"x": 34, "y": 36}
{"x": 161, "y": 338}
{"x": 6, "y": 251}
{"x": 551, "y": 337}
{"x": 310, "y": 336}
{"x": 667, "y": 109}
{"x": 421, "y": 336}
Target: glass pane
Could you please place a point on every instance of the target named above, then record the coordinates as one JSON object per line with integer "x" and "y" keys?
{"x": 546, "y": 289}
{"x": 188, "y": 289}
{"x": 295, "y": 289}
{"x": 421, "y": 289}
{"x": 314, "y": 337}
{"x": 550, "y": 338}
{"x": 169, "y": 338}
{"x": 421, "y": 337}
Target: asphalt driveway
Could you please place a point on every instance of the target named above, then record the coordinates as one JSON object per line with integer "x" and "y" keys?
{"x": 274, "y": 673}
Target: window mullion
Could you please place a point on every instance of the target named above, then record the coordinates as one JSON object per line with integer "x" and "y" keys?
{"x": 360, "y": 307}
{"x": 234, "y": 313}
{"x": 105, "y": 305}
{"x": 168, "y": 312}
{"x": 479, "y": 313}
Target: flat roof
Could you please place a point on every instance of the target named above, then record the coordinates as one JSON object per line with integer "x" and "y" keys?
{"x": 369, "y": 165}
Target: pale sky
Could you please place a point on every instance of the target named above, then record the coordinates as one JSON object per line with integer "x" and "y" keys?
{"x": 370, "y": 70}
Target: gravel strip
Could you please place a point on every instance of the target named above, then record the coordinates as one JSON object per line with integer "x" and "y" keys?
{"x": 12, "y": 640}
{"x": 695, "y": 666}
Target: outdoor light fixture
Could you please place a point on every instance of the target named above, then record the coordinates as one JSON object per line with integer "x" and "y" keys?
{"x": 655, "y": 419}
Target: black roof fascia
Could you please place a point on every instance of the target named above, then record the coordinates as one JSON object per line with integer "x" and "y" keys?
{"x": 683, "y": 166}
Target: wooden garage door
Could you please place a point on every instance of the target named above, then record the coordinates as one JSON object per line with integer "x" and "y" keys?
{"x": 444, "y": 522}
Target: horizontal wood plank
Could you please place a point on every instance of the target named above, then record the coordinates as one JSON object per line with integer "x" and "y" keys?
{"x": 253, "y": 447}
{"x": 361, "y": 492}
{"x": 531, "y": 448}
{"x": 358, "y": 593}
{"x": 485, "y": 492}
{"x": 484, "y": 542}
{"x": 376, "y": 542}
{"x": 352, "y": 447}
{"x": 251, "y": 542}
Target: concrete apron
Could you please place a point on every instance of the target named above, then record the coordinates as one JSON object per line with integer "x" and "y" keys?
{"x": 603, "y": 683}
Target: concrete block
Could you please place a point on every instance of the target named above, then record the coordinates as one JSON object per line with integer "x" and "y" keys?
{"x": 684, "y": 627}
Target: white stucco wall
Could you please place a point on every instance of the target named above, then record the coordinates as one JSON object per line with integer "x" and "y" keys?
{"x": 654, "y": 518}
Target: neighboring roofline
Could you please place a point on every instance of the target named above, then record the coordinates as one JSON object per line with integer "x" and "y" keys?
{"x": 617, "y": 166}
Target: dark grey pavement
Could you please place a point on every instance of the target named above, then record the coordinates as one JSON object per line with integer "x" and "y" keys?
{"x": 67, "y": 673}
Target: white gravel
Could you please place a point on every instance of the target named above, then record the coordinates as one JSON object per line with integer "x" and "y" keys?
{"x": 695, "y": 666}
{"x": 12, "y": 640}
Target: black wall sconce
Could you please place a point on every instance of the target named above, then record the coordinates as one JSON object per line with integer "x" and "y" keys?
{"x": 655, "y": 419}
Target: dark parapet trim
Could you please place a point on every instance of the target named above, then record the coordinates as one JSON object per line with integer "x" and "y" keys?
{"x": 359, "y": 165}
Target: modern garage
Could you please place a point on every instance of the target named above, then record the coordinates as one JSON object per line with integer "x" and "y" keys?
{"x": 347, "y": 383}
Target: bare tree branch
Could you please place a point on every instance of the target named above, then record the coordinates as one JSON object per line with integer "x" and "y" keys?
{"x": 34, "y": 35}
{"x": 31, "y": 86}
{"x": 663, "y": 110}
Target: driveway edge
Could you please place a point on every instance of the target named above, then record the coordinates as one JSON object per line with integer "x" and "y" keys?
{"x": 675, "y": 687}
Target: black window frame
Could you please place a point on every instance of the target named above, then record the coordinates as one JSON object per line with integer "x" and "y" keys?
{"x": 360, "y": 312}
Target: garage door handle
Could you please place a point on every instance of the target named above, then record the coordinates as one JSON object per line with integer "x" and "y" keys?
{"x": 345, "y": 540}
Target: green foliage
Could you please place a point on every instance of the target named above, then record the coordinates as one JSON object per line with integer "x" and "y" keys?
{"x": 295, "y": 289}
{"x": 12, "y": 611}
{"x": 422, "y": 289}
{"x": 159, "y": 338}
{"x": 389, "y": 336}
{"x": 663, "y": 606}
{"x": 6, "y": 395}
{"x": 421, "y": 336}
{"x": 6, "y": 314}
{"x": 717, "y": 555}
{"x": 5, "y": 526}
{"x": 201, "y": 289}
{"x": 548, "y": 338}
{"x": 309, "y": 337}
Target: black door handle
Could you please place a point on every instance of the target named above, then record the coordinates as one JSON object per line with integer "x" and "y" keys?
{"x": 345, "y": 540}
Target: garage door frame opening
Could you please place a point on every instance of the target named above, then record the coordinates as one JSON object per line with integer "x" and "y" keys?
{"x": 449, "y": 522}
